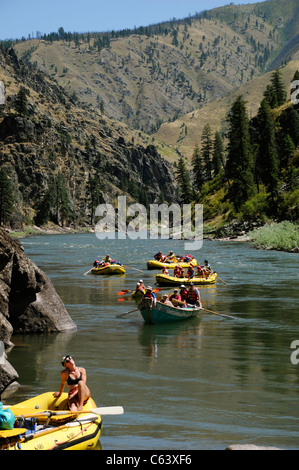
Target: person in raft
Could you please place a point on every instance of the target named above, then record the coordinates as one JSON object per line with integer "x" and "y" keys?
{"x": 75, "y": 377}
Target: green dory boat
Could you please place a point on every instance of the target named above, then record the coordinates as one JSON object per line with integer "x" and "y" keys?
{"x": 163, "y": 313}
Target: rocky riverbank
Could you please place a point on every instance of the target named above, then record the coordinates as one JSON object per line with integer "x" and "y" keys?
{"x": 29, "y": 303}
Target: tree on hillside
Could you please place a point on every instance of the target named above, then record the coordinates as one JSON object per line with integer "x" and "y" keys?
{"x": 197, "y": 169}
{"x": 239, "y": 165}
{"x": 21, "y": 102}
{"x": 206, "y": 151}
{"x": 266, "y": 162}
{"x": 94, "y": 188}
{"x": 6, "y": 198}
{"x": 275, "y": 93}
{"x": 183, "y": 179}
{"x": 287, "y": 167}
{"x": 60, "y": 200}
{"x": 218, "y": 154}
{"x": 55, "y": 203}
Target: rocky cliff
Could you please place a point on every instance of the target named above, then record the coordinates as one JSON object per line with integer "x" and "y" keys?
{"x": 29, "y": 302}
{"x": 45, "y": 133}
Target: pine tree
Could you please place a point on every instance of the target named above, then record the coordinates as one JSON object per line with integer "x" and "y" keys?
{"x": 218, "y": 154}
{"x": 197, "y": 168}
{"x": 61, "y": 202}
{"x": 22, "y": 102}
{"x": 275, "y": 93}
{"x": 6, "y": 198}
{"x": 278, "y": 87}
{"x": 267, "y": 166}
{"x": 239, "y": 165}
{"x": 286, "y": 162}
{"x": 94, "y": 188}
{"x": 183, "y": 178}
{"x": 206, "y": 151}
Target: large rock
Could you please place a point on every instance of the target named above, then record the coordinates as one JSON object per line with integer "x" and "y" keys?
{"x": 29, "y": 302}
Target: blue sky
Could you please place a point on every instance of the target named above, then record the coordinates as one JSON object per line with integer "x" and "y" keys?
{"x": 19, "y": 18}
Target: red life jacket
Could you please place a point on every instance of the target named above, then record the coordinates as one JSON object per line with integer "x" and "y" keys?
{"x": 192, "y": 296}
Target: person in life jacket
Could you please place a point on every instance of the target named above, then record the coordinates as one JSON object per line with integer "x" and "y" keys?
{"x": 176, "y": 271}
{"x": 183, "y": 292}
{"x": 141, "y": 285}
{"x": 207, "y": 268}
{"x": 175, "y": 296}
{"x": 171, "y": 256}
{"x": 165, "y": 270}
{"x": 149, "y": 295}
{"x": 182, "y": 272}
{"x": 159, "y": 257}
{"x": 199, "y": 271}
{"x": 190, "y": 272}
{"x": 193, "y": 296}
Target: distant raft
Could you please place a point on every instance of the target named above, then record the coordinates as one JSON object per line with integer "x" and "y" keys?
{"x": 164, "y": 280}
{"x": 109, "y": 269}
{"x": 153, "y": 264}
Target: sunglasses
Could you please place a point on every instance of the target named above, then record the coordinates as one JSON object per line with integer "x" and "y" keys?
{"x": 66, "y": 359}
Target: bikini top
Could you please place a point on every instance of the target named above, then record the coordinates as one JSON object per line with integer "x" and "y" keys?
{"x": 71, "y": 381}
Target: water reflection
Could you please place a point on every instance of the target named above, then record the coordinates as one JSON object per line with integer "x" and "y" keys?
{"x": 185, "y": 335}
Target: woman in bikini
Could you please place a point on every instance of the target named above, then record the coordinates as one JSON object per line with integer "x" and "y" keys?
{"x": 75, "y": 377}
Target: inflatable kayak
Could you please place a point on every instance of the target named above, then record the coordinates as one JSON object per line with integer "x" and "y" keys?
{"x": 36, "y": 429}
{"x": 153, "y": 264}
{"x": 164, "y": 280}
{"x": 109, "y": 269}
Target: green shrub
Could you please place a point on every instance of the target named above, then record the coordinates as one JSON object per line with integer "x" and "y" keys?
{"x": 277, "y": 236}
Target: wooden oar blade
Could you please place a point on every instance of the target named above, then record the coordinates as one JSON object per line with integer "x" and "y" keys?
{"x": 104, "y": 410}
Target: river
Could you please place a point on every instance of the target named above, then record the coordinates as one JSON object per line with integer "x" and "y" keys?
{"x": 202, "y": 384}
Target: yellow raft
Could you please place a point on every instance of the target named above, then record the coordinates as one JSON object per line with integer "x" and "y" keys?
{"x": 109, "y": 269}
{"x": 164, "y": 280}
{"x": 62, "y": 432}
{"x": 153, "y": 264}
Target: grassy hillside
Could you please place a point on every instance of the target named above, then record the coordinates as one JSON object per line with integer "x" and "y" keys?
{"x": 185, "y": 133}
{"x": 156, "y": 74}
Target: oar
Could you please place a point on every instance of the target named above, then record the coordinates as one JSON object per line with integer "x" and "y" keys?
{"x": 104, "y": 410}
{"x": 221, "y": 280}
{"x": 87, "y": 272}
{"x": 217, "y": 276}
{"x": 127, "y": 313}
{"x": 139, "y": 270}
{"x": 221, "y": 314}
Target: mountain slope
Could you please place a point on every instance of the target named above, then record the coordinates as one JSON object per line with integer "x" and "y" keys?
{"x": 185, "y": 133}
{"x": 50, "y": 135}
{"x": 159, "y": 73}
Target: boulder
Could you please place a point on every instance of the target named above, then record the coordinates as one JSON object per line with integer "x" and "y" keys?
{"x": 29, "y": 302}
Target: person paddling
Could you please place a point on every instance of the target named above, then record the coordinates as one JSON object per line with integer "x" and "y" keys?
{"x": 75, "y": 377}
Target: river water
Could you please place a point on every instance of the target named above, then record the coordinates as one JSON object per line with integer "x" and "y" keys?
{"x": 202, "y": 384}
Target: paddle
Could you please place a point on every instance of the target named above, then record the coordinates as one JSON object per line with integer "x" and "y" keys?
{"x": 221, "y": 280}
{"x": 139, "y": 270}
{"x": 217, "y": 276}
{"x": 87, "y": 272}
{"x": 221, "y": 314}
{"x": 127, "y": 313}
{"x": 104, "y": 410}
